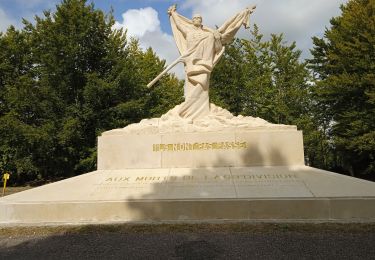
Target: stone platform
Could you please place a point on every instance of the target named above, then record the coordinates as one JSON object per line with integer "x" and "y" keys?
{"x": 219, "y": 139}
{"x": 296, "y": 193}
{"x": 218, "y": 168}
{"x": 120, "y": 150}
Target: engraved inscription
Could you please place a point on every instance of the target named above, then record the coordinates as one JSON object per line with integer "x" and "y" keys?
{"x": 202, "y": 178}
{"x": 183, "y": 147}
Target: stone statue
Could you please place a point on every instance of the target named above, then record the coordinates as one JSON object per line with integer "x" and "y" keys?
{"x": 200, "y": 48}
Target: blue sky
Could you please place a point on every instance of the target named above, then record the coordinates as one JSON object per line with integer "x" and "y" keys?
{"x": 147, "y": 20}
{"x": 17, "y": 9}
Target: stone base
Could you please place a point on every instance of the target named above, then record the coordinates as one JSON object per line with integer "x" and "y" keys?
{"x": 121, "y": 150}
{"x": 201, "y": 194}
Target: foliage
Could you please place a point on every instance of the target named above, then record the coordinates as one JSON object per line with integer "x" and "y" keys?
{"x": 69, "y": 76}
{"x": 66, "y": 79}
{"x": 344, "y": 66}
{"x": 267, "y": 79}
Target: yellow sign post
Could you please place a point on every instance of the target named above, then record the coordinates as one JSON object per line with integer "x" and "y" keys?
{"x": 5, "y": 179}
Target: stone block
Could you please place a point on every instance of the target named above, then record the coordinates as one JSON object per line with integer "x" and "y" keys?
{"x": 208, "y": 149}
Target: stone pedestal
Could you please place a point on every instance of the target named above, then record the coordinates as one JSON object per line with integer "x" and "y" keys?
{"x": 195, "y": 194}
{"x": 118, "y": 150}
{"x": 256, "y": 174}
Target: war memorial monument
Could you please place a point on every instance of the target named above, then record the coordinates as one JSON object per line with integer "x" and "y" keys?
{"x": 197, "y": 162}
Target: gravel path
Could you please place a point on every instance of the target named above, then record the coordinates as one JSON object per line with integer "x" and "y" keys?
{"x": 264, "y": 244}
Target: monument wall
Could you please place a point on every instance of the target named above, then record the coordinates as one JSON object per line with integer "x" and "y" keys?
{"x": 193, "y": 150}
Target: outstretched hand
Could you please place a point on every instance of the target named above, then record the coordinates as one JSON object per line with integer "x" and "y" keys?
{"x": 172, "y": 9}
{"x": 252, "y": 8}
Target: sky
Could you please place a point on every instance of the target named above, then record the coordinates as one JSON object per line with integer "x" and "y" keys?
{"x": 148, "y": 21}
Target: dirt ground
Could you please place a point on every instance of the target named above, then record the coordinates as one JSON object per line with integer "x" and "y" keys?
{"x": 12, "y": 190}
{"x": 190, "y": 241}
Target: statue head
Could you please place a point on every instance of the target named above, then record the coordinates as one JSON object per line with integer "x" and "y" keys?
{"x": 197, "y": 20}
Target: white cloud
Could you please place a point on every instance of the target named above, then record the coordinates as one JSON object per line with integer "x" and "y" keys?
{"x": 24, "y": 9}
{"x": 144, "y": 24}
{"x": 6, "y": 21}
{"x": 299, "y": 20}
{"x": 139, "y": 21}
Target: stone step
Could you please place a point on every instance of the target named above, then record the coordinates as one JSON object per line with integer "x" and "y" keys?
{"x": 297, "y": 193}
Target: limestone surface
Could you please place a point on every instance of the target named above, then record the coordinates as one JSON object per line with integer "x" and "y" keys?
{"x": 200, "y": 48}
{"x": 202, "y": 194}
{"x": 217, "y": 120}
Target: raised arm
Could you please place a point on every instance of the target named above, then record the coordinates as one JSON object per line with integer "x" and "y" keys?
{"x": 230, "y": 27}
{"x": 172, "y": 14}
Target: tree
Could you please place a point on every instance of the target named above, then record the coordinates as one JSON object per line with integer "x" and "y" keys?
{"x": 20, "y": 105}
{"x": 66, "y": 79}
{"x": 344, "y": 66}
{"x": 267, "y": 79}
{"x": 262, "y": 78}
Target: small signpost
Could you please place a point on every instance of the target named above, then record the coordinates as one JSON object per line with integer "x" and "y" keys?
{"x": 6, "y": 177}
